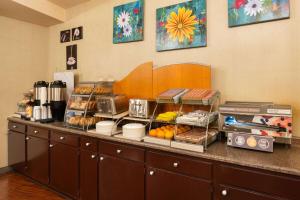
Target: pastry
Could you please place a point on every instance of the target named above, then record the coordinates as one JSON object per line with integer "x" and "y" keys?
{"x": 83, "y": 105}
{"x": 82, "y": 122}
{"x": 83, "y": 90}
{"x": 169, "y": 94}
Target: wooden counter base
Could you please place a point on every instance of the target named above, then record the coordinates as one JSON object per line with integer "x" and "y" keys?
{"x": 86, "y": 167}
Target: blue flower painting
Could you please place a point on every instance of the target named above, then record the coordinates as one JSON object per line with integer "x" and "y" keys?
{"x": 129, "y": 22}
{"x": 242, "y": 12}
{"x": 181, "y": 26}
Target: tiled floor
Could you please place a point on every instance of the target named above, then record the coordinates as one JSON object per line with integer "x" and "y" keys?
{"x": 17, "y": 187}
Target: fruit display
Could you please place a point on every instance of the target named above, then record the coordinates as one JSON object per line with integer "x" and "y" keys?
{"x": 167, "y": 116}
{"x": 167, "y": 132}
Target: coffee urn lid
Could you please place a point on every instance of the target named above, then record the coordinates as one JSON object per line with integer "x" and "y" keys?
{"x": 41, "y": 84}
{"x": 58, "y": 84}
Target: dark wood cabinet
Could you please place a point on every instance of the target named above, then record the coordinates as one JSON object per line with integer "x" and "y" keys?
{"x": 162, "y": 185}
{"x": 16, "y": 151}
{"x": 259, "y": 181}
{"x": 64, "y": 169}
{"x": 89, "y": 168}
{"x": 88, "y": 175}
{"x": 38, "y": 159}
{"x": 120, "y": 179}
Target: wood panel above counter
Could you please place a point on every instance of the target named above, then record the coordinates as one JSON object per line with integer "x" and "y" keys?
{"x": 110, "y": 162}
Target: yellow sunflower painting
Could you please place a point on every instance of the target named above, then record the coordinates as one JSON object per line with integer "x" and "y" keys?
{"x": 181, "y": 26}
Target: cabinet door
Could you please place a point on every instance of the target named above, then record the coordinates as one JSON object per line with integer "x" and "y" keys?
{"x": 229, "y": 193}
{"x": 16, "y": 151}
{"x": 38, "y": 159}
{"x": 64, "y": 169}
{"x": 120, "y": 179}
{"x": 88, "y": 175}
{"x": 162, "y": 185}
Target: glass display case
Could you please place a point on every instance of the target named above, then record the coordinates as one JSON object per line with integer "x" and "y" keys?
{"x": 82, "y": 104}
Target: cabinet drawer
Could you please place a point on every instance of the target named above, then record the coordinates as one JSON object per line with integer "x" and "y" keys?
{"x": 89, "y": 144}
{"x": 65, "y": 138}
{"x": 38, "y": 132}
{"x": 191, "y": 167}
{"x": 122, "y": 151}
{"x": 21, "y": 128}
{"x": 230, "y": 193}
{"x": 166, "y": 185}
{"x": 264, "y": 182}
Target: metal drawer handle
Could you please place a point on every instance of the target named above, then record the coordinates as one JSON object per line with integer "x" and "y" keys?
{"x": 119, "y": 151}
{"x": 151, "y": 173}
{"x": 36, "y": 132}
{"x": 93, "y": 156}
{"x": 27, "y": 138}
{"x": 87, "y": 144}
{"x": 14, "y": 126}
{"x": 62, "y": 138}
{"x": 224, "y": 193}
{"x": 51, "y": 145}
{"x": 101, "y": 158}
{"x": 175, "y": 164}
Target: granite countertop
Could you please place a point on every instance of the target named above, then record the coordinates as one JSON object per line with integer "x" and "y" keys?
{"x": 285, "y": 159}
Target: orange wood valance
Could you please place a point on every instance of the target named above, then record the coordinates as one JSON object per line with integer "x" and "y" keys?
{"x": 146, "y": 83}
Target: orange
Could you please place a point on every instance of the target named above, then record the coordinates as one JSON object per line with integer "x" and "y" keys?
{"x": 161, "y": 134}
{"x": 153, "y": 133}
{"x": 169, "y": 135}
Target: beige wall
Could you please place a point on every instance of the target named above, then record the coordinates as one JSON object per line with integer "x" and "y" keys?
{"x": 258, "y": 62}
{"x": 23, "y": 60}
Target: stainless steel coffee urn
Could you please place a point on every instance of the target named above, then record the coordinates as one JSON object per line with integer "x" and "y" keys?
{"x": 40, "y": 93}
{"x": 58, "y": 100}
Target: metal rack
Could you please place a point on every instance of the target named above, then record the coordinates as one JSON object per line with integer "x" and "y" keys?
{"x": 214, "y": 102}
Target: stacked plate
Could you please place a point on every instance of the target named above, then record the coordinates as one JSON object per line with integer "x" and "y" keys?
{"x": 106, "y": 127}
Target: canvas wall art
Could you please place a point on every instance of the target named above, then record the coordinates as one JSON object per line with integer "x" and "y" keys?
{"x": 181, "y": 26}
{"x": 77, "y": 33}
{"x": 243, "y": 12}
{"x": 65, "y": 36}
{"x": 71, "y": 57}
{"x": 128, "y": 22}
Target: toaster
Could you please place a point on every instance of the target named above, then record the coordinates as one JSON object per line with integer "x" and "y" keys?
{"x": 112, "y": 105}
{"x": 139, "y": 108}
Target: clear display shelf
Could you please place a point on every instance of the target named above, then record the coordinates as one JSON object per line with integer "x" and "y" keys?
{"x": 82, "y": 104}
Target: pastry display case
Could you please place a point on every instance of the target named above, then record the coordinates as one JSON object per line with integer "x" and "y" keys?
{"x": 82, "y": 104}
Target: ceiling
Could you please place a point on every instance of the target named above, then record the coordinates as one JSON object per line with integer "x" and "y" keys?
{"x": 17, "y": 11}
{"x": 44, "y": 13}
{"x": 67, "y": 3}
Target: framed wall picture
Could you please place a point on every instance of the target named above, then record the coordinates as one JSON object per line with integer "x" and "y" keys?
{"x": 65, "y": 36}
{"x": 181, "y": 26}
{"x": 244, "y": 12}
{"x": 71, "y": 57}
{"x": 128, "y": 22}
{"x": 77, "y": 33}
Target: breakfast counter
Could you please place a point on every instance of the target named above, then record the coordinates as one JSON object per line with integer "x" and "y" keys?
{"x": 285, "y": 159}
